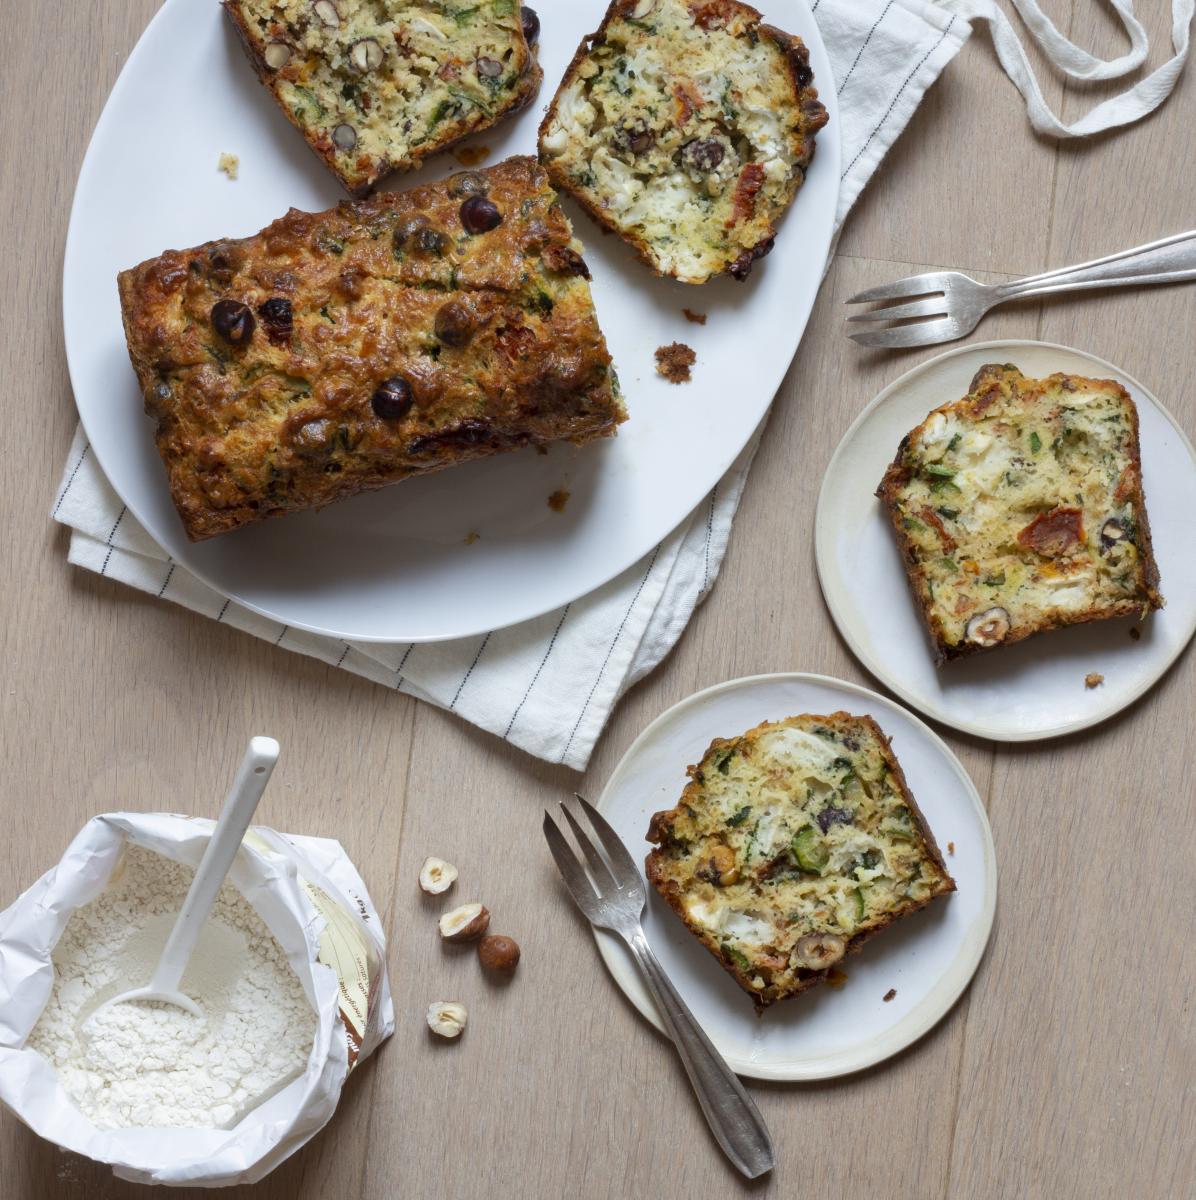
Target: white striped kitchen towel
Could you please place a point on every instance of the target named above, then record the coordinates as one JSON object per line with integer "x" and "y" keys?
{"x": 549, "y": 685}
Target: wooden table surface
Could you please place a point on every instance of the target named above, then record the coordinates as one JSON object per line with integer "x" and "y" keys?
{"x": 1066, "y": 1070}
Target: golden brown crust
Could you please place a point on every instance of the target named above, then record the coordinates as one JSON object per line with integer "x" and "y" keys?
{"x": 366, "y": 173}
{"x": 492, "y": 336}
{"x": 813, "y": 116}
{"x": 660, "y": 832}
{"x": 984, "y": 391}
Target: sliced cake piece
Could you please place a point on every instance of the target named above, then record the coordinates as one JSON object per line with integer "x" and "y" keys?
{"x": 339, "y": 351}
{"x": 685, "y": 126}
{"x": 792, "y": 845}
{"x": 377, "y": 85}
{"x": 1019, "y": 508}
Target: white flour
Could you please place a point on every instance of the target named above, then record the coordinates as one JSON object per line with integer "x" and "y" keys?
{"x": 147, "y": 1064}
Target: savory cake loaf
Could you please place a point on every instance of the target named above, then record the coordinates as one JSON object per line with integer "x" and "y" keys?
{"x": 685, "y": 126}
{"x": 790, "y": 846}
{"x": 377, "y": 85}
{"x": 344, "y": 350}
{"x": 1019, "y": 508}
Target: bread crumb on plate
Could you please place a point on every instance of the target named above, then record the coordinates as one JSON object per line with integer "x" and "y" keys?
{"x": 1093, "y": 680}
{"x": 694, "y": 318}
{"x": 889, "y": 995}
{"x": 558, "y": 500}
{"x": 472, "y": 156}
{"x": 472, "y": 537}
{"x": 951, "y": 848}
{"x": 229, "y": 164}
{"x": 674, "y": 362}
{"x": 1135, "y": 633}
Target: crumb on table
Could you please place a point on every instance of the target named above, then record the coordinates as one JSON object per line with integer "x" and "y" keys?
{"x": 674, "y": 362}
{"x": 951, "y": 848}
{"x": 695, "y": 318}
{"x": 1135, "y": 633}
{"x": 228, "y": 163}
{"x": 889, "y": 995}
{"x": 472, "y": 537}
{"x": 1093, "y": 680}
{"x": 471, "y": 156}
{"x": 558, "y": 500}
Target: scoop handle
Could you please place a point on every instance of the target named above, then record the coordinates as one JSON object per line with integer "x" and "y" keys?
{"x": 252, "y": 777}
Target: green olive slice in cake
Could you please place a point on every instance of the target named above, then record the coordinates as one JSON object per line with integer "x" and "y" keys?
{"x": 1020, "y": 509}
{"x": 378, "y": 85}
{"x": 790, "y": 846}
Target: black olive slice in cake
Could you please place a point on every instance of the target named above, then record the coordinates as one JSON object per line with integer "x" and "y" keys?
{"x": 1020, "y": 509}
{"x": 685, "y": 126}
{"x": 790, "y": 846}
{"x": 378, "y": 85}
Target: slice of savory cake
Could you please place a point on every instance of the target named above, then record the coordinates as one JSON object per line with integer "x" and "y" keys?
{"x": 345, "y": 350}
{"x": 790, "y": 846}
{"x": 377, "y": 86}
{"x": 685, "y": 126}
{"x": 1019, "y": 508}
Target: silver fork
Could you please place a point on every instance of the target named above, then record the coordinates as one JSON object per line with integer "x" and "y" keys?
{"x": 609, "y": 891}
{"x": 959, "y": 301}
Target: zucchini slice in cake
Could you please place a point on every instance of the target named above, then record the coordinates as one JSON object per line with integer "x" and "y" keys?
{"x": 685, "y": 126}
{"x": 790, "y": 846}
{"x": 377, "y": 87}
{"x": 1020, "y": 508}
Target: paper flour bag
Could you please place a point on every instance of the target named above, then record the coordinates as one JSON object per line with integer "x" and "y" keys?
{"x": 301, "y": 903}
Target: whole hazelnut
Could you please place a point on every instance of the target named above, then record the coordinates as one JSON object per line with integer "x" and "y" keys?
{"x": 498, "y": 953}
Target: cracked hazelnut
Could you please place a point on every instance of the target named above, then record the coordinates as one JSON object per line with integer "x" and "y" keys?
{"x": 498, "y": 953}
{"x": 328, "y": 14}
{"x": 817, "y": 951}
{"x": 277, "y": 55}
{"x": 465, "y": 923}
{"x": 437, "y": 876}
{"x": 447, "y": 1018}
{"x": 989, "y": 628}
{"x": 366, "y": 55}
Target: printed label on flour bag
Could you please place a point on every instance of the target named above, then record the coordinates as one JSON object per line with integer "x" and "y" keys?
{"x": 344, "y": 948}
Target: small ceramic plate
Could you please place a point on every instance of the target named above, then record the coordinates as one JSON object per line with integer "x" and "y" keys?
{"x": 1034, "y": 689}
{"x": 927, "y": 958}
{"x": 462, "y": 551}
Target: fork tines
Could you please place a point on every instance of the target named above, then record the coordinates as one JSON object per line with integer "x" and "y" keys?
{"x": 608, "y": 868}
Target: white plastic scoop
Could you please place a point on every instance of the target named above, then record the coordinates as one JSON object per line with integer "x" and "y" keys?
{"x": 250, "y": 783}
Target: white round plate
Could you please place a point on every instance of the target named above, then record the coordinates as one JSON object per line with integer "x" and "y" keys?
{"x": 1033, "y": 689}
{"x": 394, "y": 565}
{"x": 928, "y": 957}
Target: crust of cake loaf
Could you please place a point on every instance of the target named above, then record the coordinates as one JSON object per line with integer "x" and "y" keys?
{"x": 342, "y": 351}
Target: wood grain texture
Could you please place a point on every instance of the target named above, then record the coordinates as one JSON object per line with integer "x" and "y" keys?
{"x": 1066, "y": 1070}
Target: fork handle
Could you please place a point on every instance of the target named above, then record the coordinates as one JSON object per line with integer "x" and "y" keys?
{"x": 732, "y": 1116}
{"x": 1169, "y": 260}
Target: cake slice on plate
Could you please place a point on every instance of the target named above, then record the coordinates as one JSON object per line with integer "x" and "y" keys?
{"x": 377, "y": 87}
{"x": 1020, "y": 509}
{"x": 791, "y": 846}
{"x": 685, "y": 126}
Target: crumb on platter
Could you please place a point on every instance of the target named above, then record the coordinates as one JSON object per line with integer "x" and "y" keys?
{"x": 674, "y": 362}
